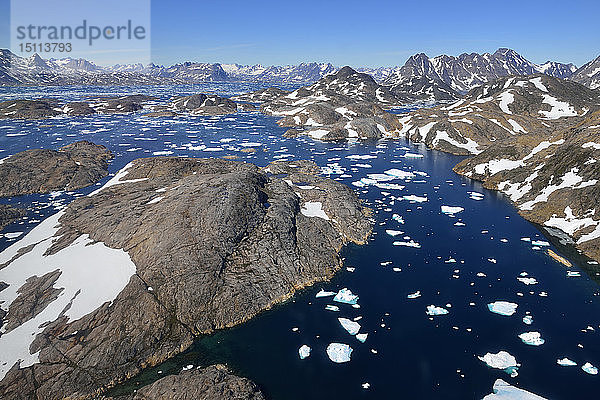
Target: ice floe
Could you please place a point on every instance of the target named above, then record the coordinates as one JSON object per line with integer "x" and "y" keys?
{"x": 532, "y": 338}
{"x": 339, "y": 352}
{"x": 502, "y": 360}
{"x": 346, "y": 296}
{"x": 504, "y": 391}
{"x": 324, "y": 293}
{"x": 451, "y": 210}
{"x": 435, "y": 310}
{"x": 589, "y": 368}
{"x": 565, "y": 362}
{"x": 351, "y": 326}
{"x": 503, "y": 307}
{"x": 304, "y": 351}
{"x": 361, "y": 337}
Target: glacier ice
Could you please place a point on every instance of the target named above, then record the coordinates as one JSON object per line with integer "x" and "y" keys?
{"x": 434, "y": 310}
{"x": 504, "y": 391}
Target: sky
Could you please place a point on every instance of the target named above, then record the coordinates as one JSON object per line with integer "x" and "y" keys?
{"x": 356, "y": 33}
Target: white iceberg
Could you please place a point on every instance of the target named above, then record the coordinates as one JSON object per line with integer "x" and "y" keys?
{"x": 345, "y": 296}
{"x": 589, "y": 368}
{"x": 505, "y": 391}
{"x": 528, "y": 320}
{"x": 411, "y": 243}
{"x": 434, "y": 310}
{"x": 304, "y": 351}
{"x": 503, "y": 308}
{"x": 414, "y": 199}
{"x": 527, "y": 281}
{"x": 392, "y": 232}
{"x": 502, "y": 360}
{"x": 414, "y": 295}
{"x": 398, "y": 218}
{"x": 330, "y": 307}
{"x": 323, "y": 293}
{"x": 565, "y": 362}
{"x": 352, "y": 327}
{"x": 542, "y": 243}
{"x": 532, "y": 338}
{"x": 362, "y": 337}
{"x": 339, "y": 352}
{"x": 451, "y": 210}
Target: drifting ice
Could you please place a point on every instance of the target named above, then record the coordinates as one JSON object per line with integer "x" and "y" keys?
{"x": 339, "y": 352}
{"x": 532, "y": 338}
{"x": 565, "y": 362}
{"x": 502, "y": 360}
{"x": 451, "y": 210}
{"x": 503, "y": 308}
{"x": 304, "y": 351}
{"x": 345, "y": 296}
{"x": 434, "y": 310}
{"x": 349, "y": 325}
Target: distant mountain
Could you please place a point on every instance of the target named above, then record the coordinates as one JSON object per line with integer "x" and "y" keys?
{"x": 34, "y": 70}
{"x": 589, "y": 74}
{"x": 468, "y": 71}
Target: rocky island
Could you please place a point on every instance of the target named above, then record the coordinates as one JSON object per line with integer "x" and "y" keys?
{"x": 180, "y": 247}
{"x": 71, "y": 167}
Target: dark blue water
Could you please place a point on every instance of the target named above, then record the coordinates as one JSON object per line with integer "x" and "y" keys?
{"x": 417, "y": 356}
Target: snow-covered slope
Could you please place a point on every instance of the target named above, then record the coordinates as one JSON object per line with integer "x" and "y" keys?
{"x": 589, "y": 74}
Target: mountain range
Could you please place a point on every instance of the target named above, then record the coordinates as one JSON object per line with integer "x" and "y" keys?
{"x": 442, "y": 78}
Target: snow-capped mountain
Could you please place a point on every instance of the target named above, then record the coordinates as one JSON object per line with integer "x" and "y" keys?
{"x": 468, "y": 71}
{"x": 589, "y": 74}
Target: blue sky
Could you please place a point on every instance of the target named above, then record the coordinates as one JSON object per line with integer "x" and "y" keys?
{"x": 361, "y": 33}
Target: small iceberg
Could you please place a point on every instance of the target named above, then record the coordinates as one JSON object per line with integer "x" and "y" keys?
{"x": 528, "y": 320}
{"x": 541, "y": 243}
{"x": 398, "y": 218}
{"x": 451, "y": 210}
{"x": 339, "y": 352}
{"x": 589, "y": 368}
{"x": 304, "y": 351}
{"x": 415, "y": 199}
{"x": 330, "y": 307}
{"x": 323, "y": 293}
{"x": 505, "y": 391}
{"x": 414, "y": 295}
{"x": 527, "y": 281}
{"x": 362, "y": 337}
{"x": 503, "y": 308}
{"x": 410, "y": 243}
{"x": 565, "y": 362}
{"x": 345, "y": 296}
{"x": 502, "y": 360}
{"x": 532, "y": 338}
{"x": 352, "y": 327}
{"x": 434, "y": 310}
{"x": 392, "y": 232}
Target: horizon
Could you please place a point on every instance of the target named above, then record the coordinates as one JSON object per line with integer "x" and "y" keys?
{"x": 320, "y": 32}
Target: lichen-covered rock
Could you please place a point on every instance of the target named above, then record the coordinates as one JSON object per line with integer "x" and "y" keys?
{"x": 29, "y": 109}
{"x": 71, "y": 167}
{"x": 120, "y": 104}
{"x": 211, "y": 383}
{"x": 261, "y": 95}
{"x": 204, "y": 104}
{"x": 214, "y": 242}
{"x": 343, "y": 105}
{"x": 8, "y": 214}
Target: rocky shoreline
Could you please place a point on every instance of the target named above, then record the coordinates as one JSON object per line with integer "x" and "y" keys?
{"x": 205, "y": 244}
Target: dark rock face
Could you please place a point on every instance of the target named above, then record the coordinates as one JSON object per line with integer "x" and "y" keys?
{"x": 214, "y": 242}
{"x": 589, "y": 74}
{"x": 29, "y": 109}
{"x": 261, "y": 95}
{"x": 511, "y": 106}
{"x": 8, "y": 214}
{"x": 423, "y": 89}
{"x": 74, "y": 166}
{"x": 343, "y": 105}
{"x": 468, "y": 71}
{"x": 211, "y": 383}
{"x": 46, "y": 108}
{"x": 204, "y": 104}
{"x": 120, "y": 105}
